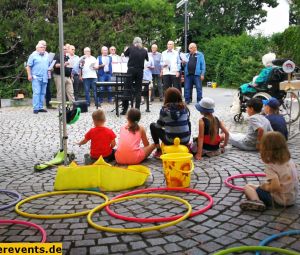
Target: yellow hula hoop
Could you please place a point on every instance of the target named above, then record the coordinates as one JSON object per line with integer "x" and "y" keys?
{"x": 138, "y": 230}
{"x": 56, "y": 216}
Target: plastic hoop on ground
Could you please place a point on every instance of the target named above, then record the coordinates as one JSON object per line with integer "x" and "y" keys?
{"x": 28, "y": 224}
{"x": 276, "y": 236}
{"x": 57, "y": 216}
{"x": 15, "y": 194}
{"x": 227, "y": 183}
{"x": 164, "y": 219}
{"x": 255, "y": 248}
{"x": 139, "y": 230}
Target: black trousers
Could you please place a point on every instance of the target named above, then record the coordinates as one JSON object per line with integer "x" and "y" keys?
{"x": 158, "y": 133}
{"x": 171, "y": 81}
{"x": 76, "y": 84}
{"x": 133, "y": 87}
{"x": 48, "y": 93}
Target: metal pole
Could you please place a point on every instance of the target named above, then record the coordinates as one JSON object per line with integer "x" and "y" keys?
{"x": 185, "y": 25}
{"x": 62, "y": 74}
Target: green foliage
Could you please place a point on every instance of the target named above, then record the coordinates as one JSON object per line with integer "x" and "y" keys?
{"x": 287, "y": 44}
{"x": 212, "y": 18}
{"x": 234, "y": 60}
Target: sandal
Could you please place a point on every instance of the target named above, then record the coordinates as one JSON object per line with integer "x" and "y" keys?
{"x": 249, "y": 205}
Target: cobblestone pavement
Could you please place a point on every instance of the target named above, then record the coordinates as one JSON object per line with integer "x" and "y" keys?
{"x": 27, "y": 139}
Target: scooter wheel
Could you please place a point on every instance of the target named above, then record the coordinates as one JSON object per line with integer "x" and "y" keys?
{"x": 71, "y": 156}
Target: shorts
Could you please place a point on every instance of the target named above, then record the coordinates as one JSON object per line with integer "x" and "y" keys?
{"x": 264, "y": 196}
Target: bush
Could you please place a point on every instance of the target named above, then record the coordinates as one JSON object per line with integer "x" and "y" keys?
{"x": 234, "y": 60}
{"x": 287, "y": 44}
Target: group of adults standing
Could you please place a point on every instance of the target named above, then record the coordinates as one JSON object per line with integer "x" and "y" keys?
{"x": 165, "y": 71}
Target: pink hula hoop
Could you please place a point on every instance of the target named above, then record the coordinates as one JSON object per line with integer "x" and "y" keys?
{"x": 28, "y": 224}
{"x": 227, "y": 183}
{"x": 164, "y": 219}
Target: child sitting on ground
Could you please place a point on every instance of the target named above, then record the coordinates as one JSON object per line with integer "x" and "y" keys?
{"x": 129, "y": 150}
{"x": 102, "y": 140}
{"x": 257, "y": 126}
{"x": 209, "y": 140}
{"x": 271, "y": 109}
{"x": 281, "y": 174}
{"x": 173, "y": 121}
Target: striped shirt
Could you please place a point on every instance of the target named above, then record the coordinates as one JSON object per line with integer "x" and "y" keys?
{"x": 175, "y": 122}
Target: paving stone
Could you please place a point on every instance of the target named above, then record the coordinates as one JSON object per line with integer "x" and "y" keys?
{"x": 78, "y": 251}
{"x": 138, "y": 245}
{"x": 119, "y": 248}
{"x": 156, "y": 250}
{"x": 172, "y": 247}
{"x": 85, "y": 243}
{"x": 99, "y": 250}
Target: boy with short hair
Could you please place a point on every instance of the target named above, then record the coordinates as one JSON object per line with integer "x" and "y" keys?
{"x": 271, "y": 109}
{"x": 258, "y": 125}
{"x": 102, "y": 140}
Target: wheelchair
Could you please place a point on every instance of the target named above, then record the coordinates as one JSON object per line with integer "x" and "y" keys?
{"x": 289, "y": 100}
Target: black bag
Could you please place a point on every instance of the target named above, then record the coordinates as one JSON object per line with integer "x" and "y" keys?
{"x": 82, "y": 104}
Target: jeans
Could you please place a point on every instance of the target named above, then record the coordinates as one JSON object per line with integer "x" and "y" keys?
{"x": 105, "y": 77}
{"x": 38, "y": 94}
{"x": 189, "y": 81}
{"x": 90, "y": 83}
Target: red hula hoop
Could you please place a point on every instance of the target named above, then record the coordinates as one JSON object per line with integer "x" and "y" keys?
{"x": 28, "y": 224}
{"x": 164, "y": 219}
{"x": 227, "y": 183}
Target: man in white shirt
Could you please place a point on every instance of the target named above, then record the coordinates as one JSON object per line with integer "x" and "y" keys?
{"x": 170, "y": 63}
{"x": 89, "y": 65}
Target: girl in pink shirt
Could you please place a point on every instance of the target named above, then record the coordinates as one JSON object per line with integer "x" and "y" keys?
{"x": 129, "y": 149}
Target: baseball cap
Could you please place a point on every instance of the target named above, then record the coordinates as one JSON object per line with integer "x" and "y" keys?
{"x": 206, "y": 105}
{"x": 272, "y": 102}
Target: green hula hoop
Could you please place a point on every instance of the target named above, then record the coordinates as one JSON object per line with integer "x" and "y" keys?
{"x": 256, "y": 248}
{"x": 144, "y": 229}
{"x": 56, "y": 216}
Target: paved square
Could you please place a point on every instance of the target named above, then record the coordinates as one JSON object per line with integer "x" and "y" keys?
{"x": 27, "y": 139}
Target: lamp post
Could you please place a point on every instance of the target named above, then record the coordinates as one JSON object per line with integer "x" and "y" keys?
{"x": 179, "y": 4}
{"x": 62, "y": 74}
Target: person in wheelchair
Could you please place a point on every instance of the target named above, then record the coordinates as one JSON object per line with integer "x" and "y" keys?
{"x": 260, "y": 80}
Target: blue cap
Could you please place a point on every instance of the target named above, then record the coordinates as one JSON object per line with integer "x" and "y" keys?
{"x": 272, "y": 102}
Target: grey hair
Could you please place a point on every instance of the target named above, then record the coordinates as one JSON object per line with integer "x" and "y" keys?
{"x": 137, "y": 42}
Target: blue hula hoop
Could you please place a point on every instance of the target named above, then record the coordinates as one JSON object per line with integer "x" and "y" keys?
{"x": 15, "y": 194}
{"x": 276, "y": 236}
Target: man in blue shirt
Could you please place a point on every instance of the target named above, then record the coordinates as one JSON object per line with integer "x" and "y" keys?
{"x": 74, "y": 63}
{"x": 37, "y": 72}
{"x": 156, "y": 56}
{"x": 193, "y": 73}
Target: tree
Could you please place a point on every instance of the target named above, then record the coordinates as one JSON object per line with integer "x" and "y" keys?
{"x": 90, "y": 23}
{"x": 294, "y": 12}
{"x": 218, "y": 17}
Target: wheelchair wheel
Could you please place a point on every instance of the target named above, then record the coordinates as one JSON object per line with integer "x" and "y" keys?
{"x": 238, "y": 117}
{"x": 290, "y": 107}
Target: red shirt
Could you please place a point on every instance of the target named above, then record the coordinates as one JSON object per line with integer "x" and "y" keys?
{"x": 101, "y": 138}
